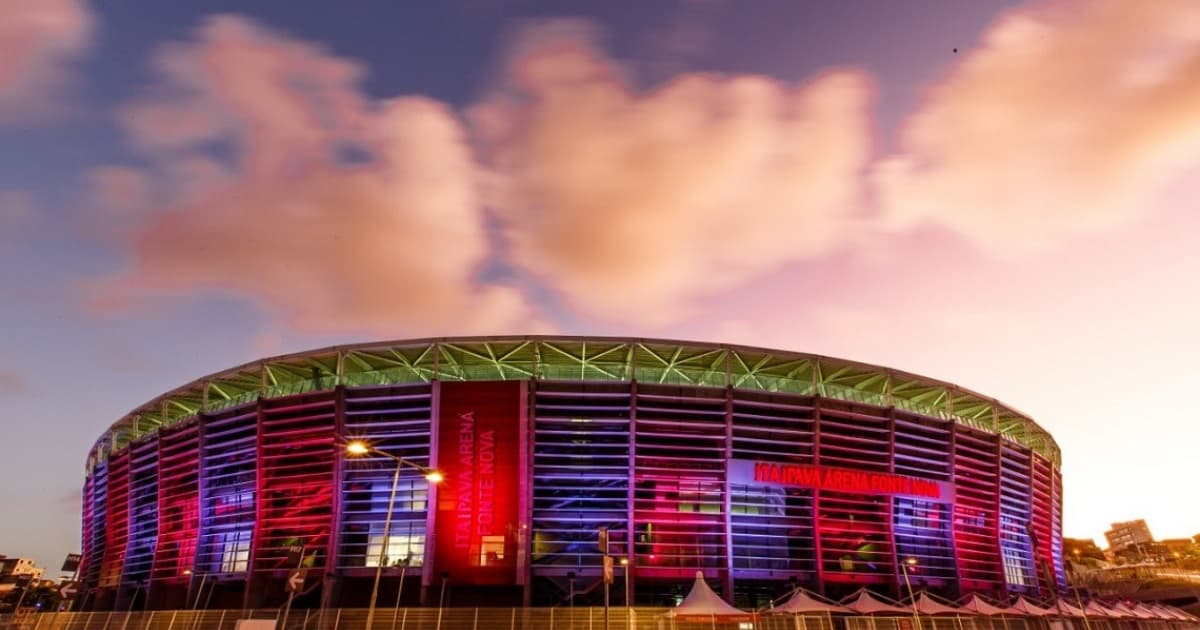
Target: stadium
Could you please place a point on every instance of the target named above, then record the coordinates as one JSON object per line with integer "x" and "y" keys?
{"x": 763, "y": 469}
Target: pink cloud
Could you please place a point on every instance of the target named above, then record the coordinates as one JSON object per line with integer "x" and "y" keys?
{"x": 388, "y": 245}
{"x": 633, "y": 204}
{"x": 71, "y": 500}
{"x": 1069, "y": 116}
{"x": 16, "y": 208}
{"x": 282, "y": 101}
{"x": 38, "y": 41}
{"x": 12, "y": 383}
{"x": 121, "y": 357}
{"x": 120, "y": 190}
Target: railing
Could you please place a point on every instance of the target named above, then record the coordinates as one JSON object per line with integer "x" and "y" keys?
{"x": 579, "y": 618}
{"x": 1128, "y": 579}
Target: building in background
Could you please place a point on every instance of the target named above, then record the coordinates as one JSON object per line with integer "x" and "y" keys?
{"x": 20, "y": 584}
{"x": 1179, "y": 547}
{"x": 18, "y": 570}
{"x": 755, "y": 467}
{"x": 1131, "y": 542}
{"x": 1128, "y": 534}
{"x": 1078, "y": 548}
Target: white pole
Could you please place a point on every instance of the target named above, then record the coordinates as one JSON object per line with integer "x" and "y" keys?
{"x": 400, "y": 590}
{"x": 385, "y": 543}
{"x": 441, "y": 601}
{"x": 916, "y": 612}
{"x": 628, "y": 604}
{"x": 291, "y": 593}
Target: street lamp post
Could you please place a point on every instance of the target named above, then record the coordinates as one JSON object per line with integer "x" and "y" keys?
{"x": 442, "y": 599}
{"x": 359, "y": 447}
{"x": 911, "y": 562}
{"x": 400, "y": 591}
{"x": 628, "y": 609}
{"x": 571, "y": 595}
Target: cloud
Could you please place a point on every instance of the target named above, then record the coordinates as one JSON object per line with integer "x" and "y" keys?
{"x": 21, "y": 219}
{"x": 71, "y": 499}
{"x": 16, "y": 208}
{"x": 38, "y": 41}
{"x": 120, "y": 190}
{"x": 1069, "y": 116}
{"x": 633, "y": 203}
{"x": 279, "y": 101}
{"x": 12, "y": 383}
{"x": 388, "y": 240}
{"x": 122, "y": 357}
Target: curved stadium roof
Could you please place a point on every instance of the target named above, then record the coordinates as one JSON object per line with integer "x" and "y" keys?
{"x": 610, "y": 359}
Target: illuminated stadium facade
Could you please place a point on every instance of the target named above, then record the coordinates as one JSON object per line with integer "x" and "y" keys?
{"x": 760, "y": 468}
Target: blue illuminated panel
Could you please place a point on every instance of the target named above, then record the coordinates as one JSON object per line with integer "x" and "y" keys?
{"x": 772, "y": 527}
{"x": 396, "y": 420}
{"x": 580, "y": 475}
{"x": 229, "y": 462}
{"x": 1016, "y": 553}
{"x": 143, "y": 507}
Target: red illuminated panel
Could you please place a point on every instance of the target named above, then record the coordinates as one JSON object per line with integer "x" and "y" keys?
{"x": 479, "y": 452}
{"x": 117, "y": 526}
{"x": 296, "y": 474}
{"x": 975, "y": 504}
{"x": 1040, "y": 523}
{"x": 178, "y": 502}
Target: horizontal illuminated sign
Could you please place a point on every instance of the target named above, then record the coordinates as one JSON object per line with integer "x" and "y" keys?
{"x": 838, "y": 479}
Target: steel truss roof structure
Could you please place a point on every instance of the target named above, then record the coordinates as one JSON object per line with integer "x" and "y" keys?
{"x": 554, "y": 358}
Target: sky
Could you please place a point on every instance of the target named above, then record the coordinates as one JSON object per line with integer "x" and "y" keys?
{"x": 995, "y": 194}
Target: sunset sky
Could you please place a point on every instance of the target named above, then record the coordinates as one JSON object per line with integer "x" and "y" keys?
{"x": 1001, "y": 195}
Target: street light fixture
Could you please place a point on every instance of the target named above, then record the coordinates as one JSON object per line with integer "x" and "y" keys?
{"x": 360, "y": 447}
{"x": 911, "y": 562}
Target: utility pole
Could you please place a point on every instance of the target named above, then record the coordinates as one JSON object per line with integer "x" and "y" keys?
{"x": 608, "y": 570}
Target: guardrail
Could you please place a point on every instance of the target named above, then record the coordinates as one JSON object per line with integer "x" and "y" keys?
{"x": 538, "y": 619}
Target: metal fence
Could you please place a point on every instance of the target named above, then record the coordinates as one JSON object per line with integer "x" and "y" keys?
{"x": 534, "y": 619}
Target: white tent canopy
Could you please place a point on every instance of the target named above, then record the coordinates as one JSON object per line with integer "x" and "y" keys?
{"x": 703, "y": 602}
{"x": 1130, "y": 612}
{"x": 1142, "y": 609}
{"x": 927, "y": 605}
{"x": 1066, "y": 609}
{"x": 1023, "y": 607}
{"x": 1170, "y": 612}
{"x": 804, "y": 603}
{"x": 1095, "y": 609}
{"x": 979, "y": 606}
{"x": 866, "y": 603}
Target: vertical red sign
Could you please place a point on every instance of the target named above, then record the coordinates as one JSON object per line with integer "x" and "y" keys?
{"x": 479, "y": 451}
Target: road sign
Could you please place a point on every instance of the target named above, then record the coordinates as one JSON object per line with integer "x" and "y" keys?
{"x": 295, "y": 581}
{"x": 71, "y": 564}
{"x": 295, "y": 554}
{"x": 69, "y": 590}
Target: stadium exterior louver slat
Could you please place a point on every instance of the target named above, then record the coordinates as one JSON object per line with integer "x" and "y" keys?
{"x": 756, "y": 467}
